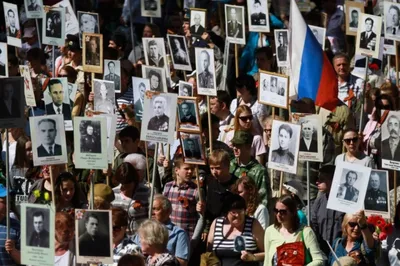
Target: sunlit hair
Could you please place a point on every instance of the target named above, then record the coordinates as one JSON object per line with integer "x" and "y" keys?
{"x": 250, "y": 186}
{"x": 291, "y": 205}
{"x": 119, "y": 217}
{"x": 346, "y": 220}
{"x": 153, "y": 233}
{"x": 219, "y": 157}
{"x": 241, "y": 109}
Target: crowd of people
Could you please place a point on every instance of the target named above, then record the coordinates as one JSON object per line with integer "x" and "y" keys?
{"x": 234, "y": 210}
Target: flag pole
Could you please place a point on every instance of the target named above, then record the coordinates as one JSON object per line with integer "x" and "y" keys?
{"x": 38, "y": 33}
{"x": 153, "y": 181}
{"x": 209, "y": 125}
{"x": 360, "y": 127}
{"x": 8, "y": 185}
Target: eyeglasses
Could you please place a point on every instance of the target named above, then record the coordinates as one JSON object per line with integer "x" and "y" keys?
{"x": 281, "y": 212}
{"x": 348, "y": 141}
{"x": 267, "y": 130}
{"x": 352, "y": 224}
{"x": 246, "y": 118}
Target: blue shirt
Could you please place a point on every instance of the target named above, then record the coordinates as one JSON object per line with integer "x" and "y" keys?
{"x": 15, "y": 234}
{"x": 341, "y": 251}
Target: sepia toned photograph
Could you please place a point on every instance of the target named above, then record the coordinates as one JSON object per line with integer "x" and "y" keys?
{"x": 185, "y": 89}
{"x": 53, "y": 28}
{"x": 156, "y": 76}
{"x": 104, "y": 96}
{"x": 234, "y": 21}
{"x": 179, "y": 51}
{"x": 258, "y": 15}
{"x": 198, "y": 21}
{"x": 188, "y": 114}
{"x": 377, "y": 197}
{"x": 3, "y": 60}
{"x": 282, "y": 47}
{"x": 192, "y": 147}
{"x": 274, "y": 89}
{"x": 12, "y": 103}
{"x": 368, "y": 40}
{"x": 88, "y": 22}
{"x": 34, "y": 8}
{"x": 140, "y": 86}
{"x": 150, "y": 8}
{"x": 353, "y": 13}
{"x": 92, "y": 53}
{"x": 154, "y": 52}
{"x": 13, "y": 28}
{"x": 205, "y": 66}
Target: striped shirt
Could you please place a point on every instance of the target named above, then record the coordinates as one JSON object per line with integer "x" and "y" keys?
{"x": 15, "y": 234}
{"x": 127, "y": 99}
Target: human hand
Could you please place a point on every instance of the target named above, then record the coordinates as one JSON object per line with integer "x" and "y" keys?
{"x": 204, "y": 237}
{"x": 361, "y": 219}
{"x": 91, "y": 96}
{"x": 160, "y": 160}
{"x": 247, "y": 256}
{"x": 10, "y": 245}
{"x": 200, "y": 207}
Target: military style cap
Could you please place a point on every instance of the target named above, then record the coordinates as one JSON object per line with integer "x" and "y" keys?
{"x": 242, "y": 137}
{"x": 103, "y": 191}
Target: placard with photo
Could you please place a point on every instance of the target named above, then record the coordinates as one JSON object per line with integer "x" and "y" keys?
{"x": 34, "y": 8}
{"x": 388, "y": 47}
{"x": 88, "y": 22}
{"x": 390, "y": 133}
{"x": 150, "y": 8}
{"x": 28, "y": 87}
{"x": 349, "y": 186}
{"x": 179, "y": 51}
{"x": 234, "y": 24}
{"x": 258, "y": 15}
{"x": 140, "y": 86}
{"x": 377, "y": 201}
{"x": 37, "y": 234}
{"x": 53, "y": 26}
{"x": 282, "y": 47}
{"x": 3, "y": 60}
{"x": 158, "y": 122}
{"x": 92, "y": 53}
{"x": 205, "y": 66}
{"x": 12, "y": 103}
{"x": 392, "y": 23}
{"x": 185, "y": 89}
{"x": 71, "y": 22}
{"x": 48, "y": 140}
{"x": 193, "y": 148}
{"x": 319, "y": 33}
{"x": 154, "y": 52}
{"x": 353, "y": 13}
{"x": 368, "y": 35}
{"x": 13, "y": 27}
{"x": 274, "y": 89}
{"x": 112, "y": 72}
{"x": 104, "y": 96}
{"x": 72, "y": 90}
{"x": 90, "y": 139}
{"x": 188, "y": 114}
{"x": 188, "y": 4}
{"x": 93, "y": 236}
{"x": 285, "y": 144}
{"x": 111, "y": 132}
{"x": 198, "y": 23}
{"x": 156, "y": 76}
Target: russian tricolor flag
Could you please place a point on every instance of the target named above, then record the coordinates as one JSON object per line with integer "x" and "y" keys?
{"x": 312, "y": 75}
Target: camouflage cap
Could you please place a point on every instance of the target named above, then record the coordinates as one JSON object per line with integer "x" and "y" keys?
{"x": 242, "y": 137}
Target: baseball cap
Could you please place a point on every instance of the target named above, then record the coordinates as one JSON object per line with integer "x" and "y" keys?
{"x": 29, "y": 32}
{"x": 3, "y": 191}
{"x": 242, "y": 137}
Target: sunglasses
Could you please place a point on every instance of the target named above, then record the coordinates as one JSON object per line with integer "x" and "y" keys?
{"x": 62, "y": 76}
{"x": 246, "y": 118}
{"x": 281, "y": 212}
{"x": 267, "y": 130}
{"x": 352, "y": 224}
{"x": 348, "y": 141}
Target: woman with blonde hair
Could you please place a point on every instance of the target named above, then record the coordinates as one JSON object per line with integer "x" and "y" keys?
{"x": 243, "y": 121}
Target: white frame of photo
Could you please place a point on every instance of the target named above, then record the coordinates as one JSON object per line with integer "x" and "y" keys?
{"x": 285, "y": 97}
{"x": 161, "y": 45}
{"x": 80, "y": 13}
{"x": 152, "y": 14}
{"x": 180, "y": 88}
{"x": 386, "y": 9}
{"x": 378, "y": 30}
{"x": 17, "y": 42}
{"x": 34, "y": 14}
{"x": 319, "y": 29}
{"x": 179, "y": 66}
{"x": 386, "y": 163}
{"x": 234, "y": 39}
{"x": 201, "y": 90}
{"x": 163, "y": 78}
{"x": 136, "y": 95}
{"x": 117, "y": 65}
{"x": 276, "y": 37}
{"x": 4, "y": 54}
{"x": 53, "y": 40}
{"x": 96, "y": 94}
{"x": 256, "y": 28}
{"x": 28, "y": 87}
{"x": 193, "y": 11}
{"x": 74, "y": 23}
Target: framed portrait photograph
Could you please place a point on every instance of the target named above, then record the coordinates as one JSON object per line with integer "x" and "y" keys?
{"x": 349, "y": 186}
{"x": 274, "y": 89}
{"x": 188, "y": 4}
{"x": 319, "y": 33}
{"x": 392, "y": 23}
{"x": 377, "y": 199}
{"x": 34, "y": 8}
{"x": 353, "y": 13}
{"x": 140, "y": 86}
{"x": 93, "y": 236}
{"x": 92, "y": 53}
{"x": 368, "y": 35}
{"x": 282, "y": 47}
{"x": 154, "y": 52}
{"x": 258, "y": 15}
{"x": 88, "y": 22}
{"x": 112, "y": 72}
{"x": 185, "y": 89}
{"x": 390, "y": 132}
{"x": 71, "y": 22}
{"x": 158, "y": 121}
{"x": 90, "y": 142}
{"x": 198, "y": 19}
{"x": 48, "y": 140}
{"x": 13, "y": 28}
{"x": 188, "y": 114}
{"x": 150, "y": 8}
{"x": 3, "y": 60}
{"x": 156, "y": 76}
{"x": 12, "y": 103}
{"x": 104, "y": 96}
{"x": 192, "y": 147}
{"x": 179, "y": 51}
{"x": 28, "y": 87}
{"x": 37, "y": 234}
{"x": 284, "y": 146}
{"x": 205, "y": 66}
{"x": 234, "y": 24}
{"x": 57, "y": 100}
{"x": 388, "y": 47}
{"x": 53, "y": 26}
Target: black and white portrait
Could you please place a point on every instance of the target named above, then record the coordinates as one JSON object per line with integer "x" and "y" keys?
{"x": 13, "y": 28}
{"x": 390, "y": 136}
{"x": 88, "y": 22}
{"x": 71, "y": 22}
{"x": 179, "y": 52}
{"x": 151, "y": 8}
{"x": 311, "y": 138}
{"x": 92, "y": 52}
{"x": 258, "y": 15}
{"x": 56, "y": 98}
{"x": 188, "y": 114}
{"x": 368, "y": 33}
{"x": 12, "y": 102}
{"x": 90, "y": 136}
{"x": 205, "y": 66}
{"x": 34, "y": 8}
{"x": 3, "y": 60}
{"x": 376, "y": 199}
{"x": 154, "y": 52}
{"x": 54, "y": 27}
{"x": 273, "y": 89}
{"x": 104, "y": 96}
{"x": 38, "y": 227}
{"x": 192, "y": 148}
{"x": 353, "y": 13}
{"x": 156, "y": 76}
{"x": 185, "y": 89}
{"x": 388, "y": 47}
{"x": 93, "y": 235}
{"x": 112, "y": 72}
{"x": 234, "y": 21}
{"x": 47, "y": 132}
{"x": 349, "y": 186}
{"x": 140, "y": 86}
{"x": 282, "y": 48}
{"x": 392, "y": 21}
{"x": 160, "y": 120}
{"x": 284, "y": 146}
{"x": 188, "y": 4}
{"x": 239, "y": 244}
{"x": 197, "y": 21}
{"x": 319, "y": 33}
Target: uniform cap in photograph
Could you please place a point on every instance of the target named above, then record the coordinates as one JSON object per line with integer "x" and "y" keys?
{"x": 242, "y": 137}
{"x": 103, "y": 191}
{"x": 29, "y": 32}
{"x": 73, "y": 42}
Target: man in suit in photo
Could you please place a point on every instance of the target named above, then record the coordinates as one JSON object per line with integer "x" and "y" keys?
{"x": 93, "y": 243}
{"x": 393, "y": 21}
{"x": 197, "y": 29}
{"x": 258, "y": 18}
{"x": 40, "y": 236}
{"x": 192, "y": 152}
{"x": 347, "y": 191}
{"x": 57, "y": 106}
{"x": 9, "y": 106}
{"x": 185, "y": 114}
{"x": 112, "y": 76}
{"x": 206, "y": 78}
{"x": 390, "y": 146}
{"x": 235, "y": 29}
{"x": 368, "y": 37}
{"x": 33, "y": 5}
{"x": 47, "y": 132}
{"x": 139, "y": 104}
{"x": 282, "y": 47}
{"x": 354, "y": 19}
{"x": 12, "y": 30}
{"x": 307, "y": 143}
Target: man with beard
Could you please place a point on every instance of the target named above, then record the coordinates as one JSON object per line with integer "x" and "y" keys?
{"x": 155, "y": 58}
{"x": 307, "y": 143}
{"x": 12, "y": 30}
{"x": 390, "y": 146}
{"x": 347, "y": 191}
{"x": 40, "y": 236}
{"x": 375, "y": 199}
{"x": 186, "y": 115}
{"x": 159, "y": 122}
{"x": 92, "y": 243}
